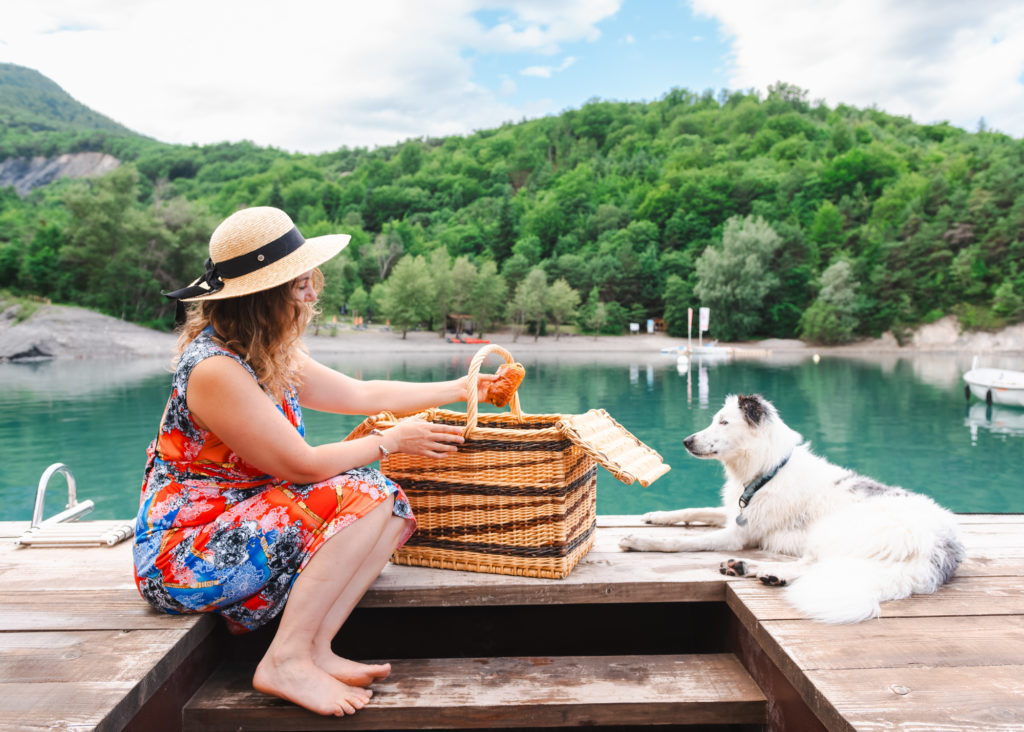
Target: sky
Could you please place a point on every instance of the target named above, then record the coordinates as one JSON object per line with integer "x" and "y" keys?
{"x": 317, "y": 75}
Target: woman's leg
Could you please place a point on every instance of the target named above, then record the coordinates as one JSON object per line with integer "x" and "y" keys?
{"x": 287, "y": 669}
{"x": 351, "y": 672}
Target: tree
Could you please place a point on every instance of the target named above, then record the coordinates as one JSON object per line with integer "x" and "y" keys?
{"x": 406, "y": 298}
{"x": 735, "y": 278}
{"x": 530, "y": 301}
{"x": 487, "y": 302}
{"x": 439, "y": 289}
{"x": 678, "y": 299}
{"x": 462, "y": 282}
{"x": 826, "y": 231}
{"x": 562, "y": 302}
{"x": 505, "y": 237}
{"x": 596, "y": 319}
{"x": 832, "y": 318}
{"x": 386, "y": 248}
{"x": 515, "y": 268}
{"x": 330, "y": 199}
{"x": 359, "y": 302}
{"x": 120, "y": 254}
{"x": 1008, "y": 301}
{"x": 276, "y": 199}
{"x": 41, "y": 261}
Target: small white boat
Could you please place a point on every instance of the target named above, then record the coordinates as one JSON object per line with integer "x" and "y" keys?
{"x": 709, "y": 349}
{"x": 995, "y": 386}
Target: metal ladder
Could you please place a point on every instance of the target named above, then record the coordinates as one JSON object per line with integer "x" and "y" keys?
{"x": 63, "y": 528}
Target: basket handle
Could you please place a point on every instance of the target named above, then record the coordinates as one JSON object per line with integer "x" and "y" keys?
{"x": 472, "y": 390}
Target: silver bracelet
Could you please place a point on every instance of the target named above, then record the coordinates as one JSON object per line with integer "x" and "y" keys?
{"x": 384, "y": 452}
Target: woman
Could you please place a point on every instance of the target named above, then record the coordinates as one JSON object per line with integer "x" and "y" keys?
{"x": 239, "y": 515}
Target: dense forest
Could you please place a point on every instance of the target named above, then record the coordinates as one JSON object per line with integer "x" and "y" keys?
{"x": 786, "y": 217}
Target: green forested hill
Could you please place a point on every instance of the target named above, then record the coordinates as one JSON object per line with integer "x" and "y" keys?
{"x": 31, "y": 104}
{"x": 785, "y": 217}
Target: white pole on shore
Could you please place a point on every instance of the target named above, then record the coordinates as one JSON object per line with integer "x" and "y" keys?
{"x": 689, "y": 329}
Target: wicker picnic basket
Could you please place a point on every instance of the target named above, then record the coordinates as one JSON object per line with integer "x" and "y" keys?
{"x": 518, "y": 497}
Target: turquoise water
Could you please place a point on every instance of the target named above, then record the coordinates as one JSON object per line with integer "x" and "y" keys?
{"x": 901, "y": 420}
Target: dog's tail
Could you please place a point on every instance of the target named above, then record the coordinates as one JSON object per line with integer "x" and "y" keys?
{"x": 848, "y": 589}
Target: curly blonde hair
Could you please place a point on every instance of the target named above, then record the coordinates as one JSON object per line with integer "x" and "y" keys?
{"x": 264, "y": 328}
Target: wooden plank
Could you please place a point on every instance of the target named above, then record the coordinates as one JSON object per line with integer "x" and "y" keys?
{"x": 91, "y": 655}
{"x": 977, "y": 596}
{"x": 600, "y": 578}
{"x": 508, "y": 692}
{"x": 82, "y": 705}
{"x": 1008, "y": 563}
{"x": 991, "y": 518}
{"x": 61, "y": 569}
{"x": 961, "y": 633}
{"x": 965, "y": 519}
{"x": 902, "y": 642}
{"x": 11, "y": 529}
{"x": 86, "y": 610}
{"x": 989, "y": 698}
{"x": 992, "y": 536}
{"x": 94, "y": 680}
{"x": 787, "y": 708}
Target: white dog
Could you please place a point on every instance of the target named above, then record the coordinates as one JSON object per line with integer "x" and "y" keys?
{"x": 858, "y": 542}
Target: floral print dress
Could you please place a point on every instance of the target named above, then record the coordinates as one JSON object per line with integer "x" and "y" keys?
{"x": 215, "y": 534}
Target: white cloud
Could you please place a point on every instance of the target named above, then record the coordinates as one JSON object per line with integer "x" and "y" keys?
{"x": 932, "y": 60}
{"x": 545, "y": 72}
{"x": 541, "y": 72}
{"x": 314, "y": 77}
{"x": 629, "y": 39}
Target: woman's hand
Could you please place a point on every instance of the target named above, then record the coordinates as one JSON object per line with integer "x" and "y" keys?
{"x": 417, "y": 436}
{"x": 483, "y": 382}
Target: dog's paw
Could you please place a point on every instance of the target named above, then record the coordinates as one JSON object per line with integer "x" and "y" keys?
{"x": 658, "y": 518}
{"x": 772, "y": 581}
{"x": 733, "y": 568}
{"x": 631, "y": 543}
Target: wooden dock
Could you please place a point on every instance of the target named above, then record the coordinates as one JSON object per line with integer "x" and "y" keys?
{"x": 627, "y": 640}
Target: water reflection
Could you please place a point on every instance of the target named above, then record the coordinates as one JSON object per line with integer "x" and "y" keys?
{"x": 634, "y": 374}
{"x": 994, "y": 418}
{"x": 59, "y": 378}
{"x": 685, "y": 365}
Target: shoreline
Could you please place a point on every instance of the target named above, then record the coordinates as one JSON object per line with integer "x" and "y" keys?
{"x": 61, "y": 332}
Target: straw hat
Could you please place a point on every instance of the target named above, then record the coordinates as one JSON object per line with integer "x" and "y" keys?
{"x": 256, "y": 249}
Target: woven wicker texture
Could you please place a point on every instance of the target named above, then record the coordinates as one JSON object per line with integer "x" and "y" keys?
{"x": 519, "y": 497}
{"x": 610, "y": 444}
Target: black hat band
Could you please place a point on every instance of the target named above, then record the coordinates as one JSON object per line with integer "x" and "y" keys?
{"x": 240, "y": 266}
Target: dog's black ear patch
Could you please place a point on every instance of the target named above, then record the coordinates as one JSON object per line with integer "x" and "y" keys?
{"x": 753, "y": 408}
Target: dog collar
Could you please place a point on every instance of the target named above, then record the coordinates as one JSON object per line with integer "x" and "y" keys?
{"x": 759, "y": 482}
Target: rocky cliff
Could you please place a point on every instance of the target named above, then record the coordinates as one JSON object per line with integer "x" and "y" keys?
{"x": 28, "y": 173}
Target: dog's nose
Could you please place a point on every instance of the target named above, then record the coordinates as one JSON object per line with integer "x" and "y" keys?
{"x": 688, "y": 442}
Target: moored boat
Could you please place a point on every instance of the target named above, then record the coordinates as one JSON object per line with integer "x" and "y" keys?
{"x": 995, "y": 386}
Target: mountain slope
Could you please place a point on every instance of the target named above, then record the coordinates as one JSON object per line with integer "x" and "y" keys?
{"x": 30, "y": 101}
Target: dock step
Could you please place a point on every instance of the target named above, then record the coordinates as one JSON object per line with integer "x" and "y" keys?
{"x": 480, "y": 693}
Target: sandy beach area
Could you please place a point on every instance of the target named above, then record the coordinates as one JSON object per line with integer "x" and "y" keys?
{"x": 61, "y": 332}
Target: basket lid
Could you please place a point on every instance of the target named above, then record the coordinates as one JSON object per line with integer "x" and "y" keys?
{"x": 614, "y": 447}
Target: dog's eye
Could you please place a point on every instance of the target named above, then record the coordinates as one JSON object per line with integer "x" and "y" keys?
{"x": 723, "y": 421}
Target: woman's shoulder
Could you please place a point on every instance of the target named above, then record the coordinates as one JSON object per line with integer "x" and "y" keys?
{"x": 202, "y": 347}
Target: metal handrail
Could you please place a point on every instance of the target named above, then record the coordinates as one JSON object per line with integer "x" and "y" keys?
{"x": 74, "y": 510}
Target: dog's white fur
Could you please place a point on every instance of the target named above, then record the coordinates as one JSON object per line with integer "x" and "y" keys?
{"x": 858, "y": 542}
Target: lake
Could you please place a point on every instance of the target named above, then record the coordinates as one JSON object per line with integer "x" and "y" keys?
{"x": 900, "y": 419}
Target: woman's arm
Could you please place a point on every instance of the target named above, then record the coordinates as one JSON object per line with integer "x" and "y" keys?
{"x": 225, "y": 399}
{"x": 326, "y": 390}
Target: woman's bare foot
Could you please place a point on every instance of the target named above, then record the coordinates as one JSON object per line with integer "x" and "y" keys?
{"x": 301, "y": 681}
{"x": 349, "y": 672}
